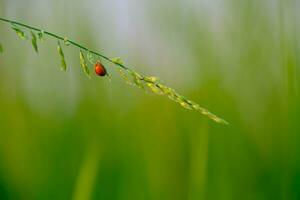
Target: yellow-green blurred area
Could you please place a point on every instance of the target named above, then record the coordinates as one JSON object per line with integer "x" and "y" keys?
{"x": 63, "y": 136}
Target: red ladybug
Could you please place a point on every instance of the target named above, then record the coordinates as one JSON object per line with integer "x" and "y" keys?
{"x": 100, "y": 69}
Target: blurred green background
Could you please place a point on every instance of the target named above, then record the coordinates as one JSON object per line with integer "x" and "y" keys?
{"x": 63, "y": 136}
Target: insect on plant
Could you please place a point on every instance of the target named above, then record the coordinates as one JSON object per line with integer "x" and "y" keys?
{"x": 149, "y": 83}
{"x": 100, "y": 69}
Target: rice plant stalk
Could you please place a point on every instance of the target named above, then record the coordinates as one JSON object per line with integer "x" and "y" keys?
{"x": 151, "y": 84}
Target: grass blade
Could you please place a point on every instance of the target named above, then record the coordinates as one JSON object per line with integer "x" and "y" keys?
{"x": 62, "y": 57}
{"x": 130, "y": 76}
{"x": 34, "y": 42}
{"x": 84, "y": 64}
{"x": 19, "y": 32}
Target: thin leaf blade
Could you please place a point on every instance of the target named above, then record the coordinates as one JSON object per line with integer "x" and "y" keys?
{"x": 34, "y": 42}
{"x": 21, "y": 34}
{"x": 62, "y": 57}
{"x": 84, "y": 65}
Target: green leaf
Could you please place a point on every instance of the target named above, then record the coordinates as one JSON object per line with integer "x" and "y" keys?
{"x": 117, "y": 61}
{"x": 91, "y": 58}
{"x": 1, "y": 49}
{"x": 62, "y": 57}
{"x": 19, "y": 32}
{"x": 84, "y": 65}
{"x": 34, "y": 42}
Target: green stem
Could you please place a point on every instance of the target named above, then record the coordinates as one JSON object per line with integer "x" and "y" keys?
{"x": 171, "y": 93}
{"x": 72, "y": 43}
{"x": 64, "y": 39}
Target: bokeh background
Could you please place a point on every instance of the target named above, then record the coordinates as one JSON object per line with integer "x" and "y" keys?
{"x": 63, "y": 136}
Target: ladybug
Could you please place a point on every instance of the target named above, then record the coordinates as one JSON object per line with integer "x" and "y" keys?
{"x": 100, "y": 69}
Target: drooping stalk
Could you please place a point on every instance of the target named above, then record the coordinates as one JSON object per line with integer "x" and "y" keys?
{"x": 152, "y": 83}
